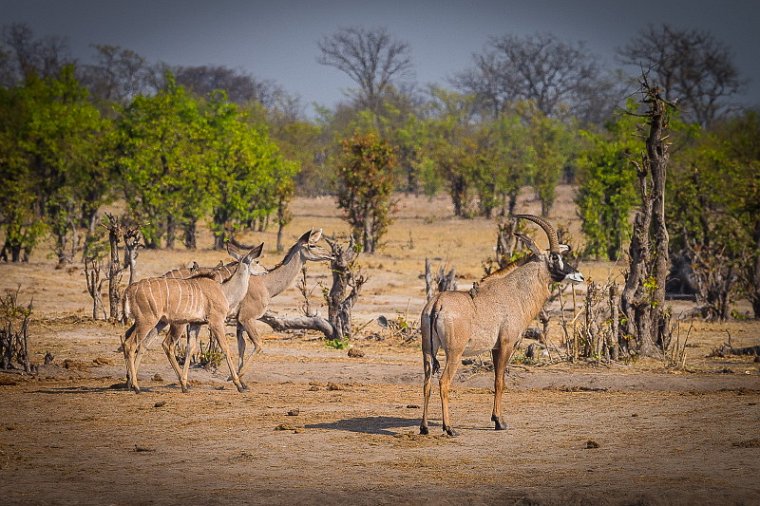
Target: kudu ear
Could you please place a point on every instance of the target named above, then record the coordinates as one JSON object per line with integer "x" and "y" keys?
{"x": 232, "y": 251}
{"x": 254, "y": 254}
{"x": 305, "y": 237}
{"x": 529, "y": 243}
{"x": 315, "y": 236}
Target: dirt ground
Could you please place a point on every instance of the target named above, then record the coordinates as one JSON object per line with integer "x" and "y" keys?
{"x": 318, "y": 426}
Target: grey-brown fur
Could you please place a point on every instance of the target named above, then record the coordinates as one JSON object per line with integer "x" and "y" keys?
{"x": 156, "y": 302}
{"x": 262, "y": 288}
{"x": 490, "y": 318}
{"x": 220, "y": 274}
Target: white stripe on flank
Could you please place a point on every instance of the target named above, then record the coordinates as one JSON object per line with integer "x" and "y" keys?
{"x": 195, "y": 298}
{"x": 168, "y": 299}
{"x": 152, "y": 300}
{"x": 179, "y": 297}
{"x": 189, "y": 286}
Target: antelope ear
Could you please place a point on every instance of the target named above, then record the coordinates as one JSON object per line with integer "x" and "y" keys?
{"x": 305, "y": 238}
{"x": 315, "y": 236}
{"x": 564, "y": 248}
{"x": 529, "y": 243}
{"x": 254, "y": 254}
{"x": 233, "y": 253}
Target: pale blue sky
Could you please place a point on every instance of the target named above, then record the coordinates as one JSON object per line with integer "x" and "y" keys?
{"x": 277, "y": 40}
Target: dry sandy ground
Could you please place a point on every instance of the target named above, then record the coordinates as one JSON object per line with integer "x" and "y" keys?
{"x": 318, "y": 426}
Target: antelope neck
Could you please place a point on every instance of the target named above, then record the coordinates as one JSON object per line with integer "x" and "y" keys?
{"x": 280, "y": 278}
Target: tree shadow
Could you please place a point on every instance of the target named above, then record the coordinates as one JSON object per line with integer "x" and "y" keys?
{"x": 368, "y": 424}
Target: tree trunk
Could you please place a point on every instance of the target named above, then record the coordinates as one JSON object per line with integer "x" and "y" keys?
{"x": 115, "y": 268}
{"x": 429, "y": 292}
{"x": 191, "y": 235}
{"x": 643, "y": 298}
{"x": 94, "y": 286}
{"x": 132, "y": 243}
{"x": 614, "y": 335}
{"x": 171, "y": 231}
{"x": 458, "y": 193}
{"x": 280, "y": 324}
{"x": 546, "y": 206}
{"x": 754, "y": 288}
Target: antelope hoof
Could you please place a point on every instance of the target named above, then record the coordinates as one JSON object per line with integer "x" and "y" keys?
{"x": 498, "y": 423}
{"x": 185, "y": 389}
{"x": 424, "y": 430}
{"x": 449, "y": 431}
{"x": 241, "y": 388}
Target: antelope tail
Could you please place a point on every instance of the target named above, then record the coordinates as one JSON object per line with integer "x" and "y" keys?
{"x": 433, "y": 320}
{"x": 126, "y": 309}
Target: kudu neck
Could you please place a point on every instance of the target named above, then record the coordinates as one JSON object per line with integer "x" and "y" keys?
{"x": 282, "y": 276}
{"x": 235, "y": 288}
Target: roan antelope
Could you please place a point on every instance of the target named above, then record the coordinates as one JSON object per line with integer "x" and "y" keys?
{"x": 156, "y": 302}
{"x": 490, "y": 317}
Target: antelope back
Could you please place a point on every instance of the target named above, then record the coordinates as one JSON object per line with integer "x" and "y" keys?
{"x": 173, "y": 299}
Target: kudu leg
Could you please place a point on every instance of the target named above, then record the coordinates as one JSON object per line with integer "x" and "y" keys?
{"x": 239, "y": 329}
{"x": 145, "y": 342}
{"x": 131, "y": 348}
{"x": 192, "y": 338}
{"x": 217, "y": 329}
{"x": 169, "y": 345}
{"x": 500, "y": 358}
{"x": 250, "y": 328}
{"x": 127, "y": 335}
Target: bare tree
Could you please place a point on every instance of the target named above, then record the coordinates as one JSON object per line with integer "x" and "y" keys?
{"x": 373, "y": 59}
{"x": 14, "y": 332}
{"x": 240, "y": 86}
{"x": 118, "y": 75}
{"x": 23, "y": 55}
{"x": 347, "y": 281}
{"x": 689, "y": 65}
{"x": 643, "y": 298}
{"x": 442, "y": 281}
{"x": 92, "y": 272}
{"x": 120, "y": 230}
{"x": 540, "y": 68}
{"x": 506, "y": 243}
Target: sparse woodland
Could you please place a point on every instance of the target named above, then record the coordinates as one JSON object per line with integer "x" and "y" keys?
{"x": 174, "y": 148}
{"x": 640, "y": 384}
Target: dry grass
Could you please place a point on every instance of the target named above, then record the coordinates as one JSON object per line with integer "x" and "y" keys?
{"x": 423, "y": 228}
{"x": 348, "y": 425}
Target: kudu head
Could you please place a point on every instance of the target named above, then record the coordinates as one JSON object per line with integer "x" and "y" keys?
{"x": 559, "y": 270}
{"x": 310, "y": 250}
{"x": 250, "y": 260}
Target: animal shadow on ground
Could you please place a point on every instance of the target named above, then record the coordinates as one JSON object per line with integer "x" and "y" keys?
{"x": 78, "y": 390}
{"x": 368, "y": 424}
{"x": 116, "y": 387}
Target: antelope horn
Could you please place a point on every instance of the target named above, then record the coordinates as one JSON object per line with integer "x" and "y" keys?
{"x": 551, "y": 233}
